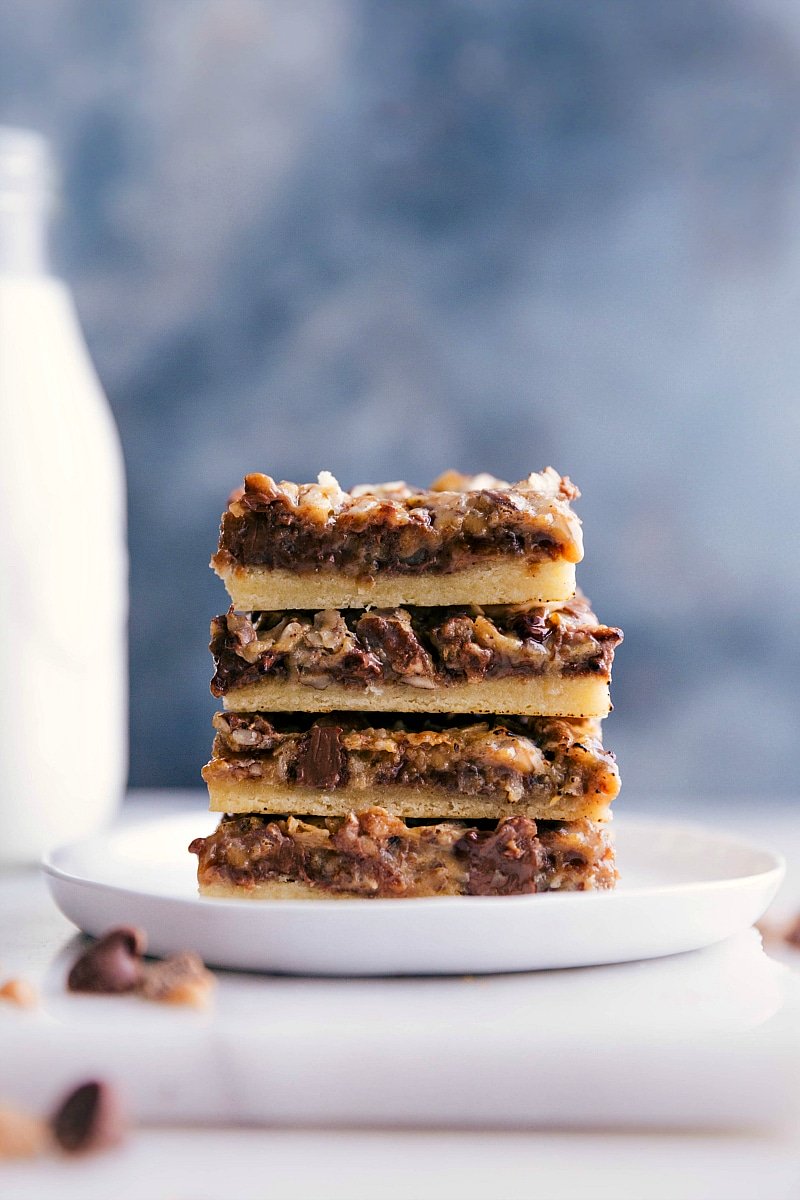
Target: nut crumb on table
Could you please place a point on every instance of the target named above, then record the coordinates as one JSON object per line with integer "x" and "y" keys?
{"x": 21, "y": 1134}
{"x": 20, "y": 992}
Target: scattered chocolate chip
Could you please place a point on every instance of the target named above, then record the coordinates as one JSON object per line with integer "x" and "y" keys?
{"x": 90, "y": 1118}
{"x": 182, "y": 979}
{"x": 322, "y": 763}
{"x": 111, "y": 965}
{"x": 19, "y": 992}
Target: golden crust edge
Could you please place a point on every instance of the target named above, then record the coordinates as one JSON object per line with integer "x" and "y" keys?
{"x": 274, "y": 889}
{"x": 289, "y": 889}
{"x": 542, "y": 696}
{"x": 437, "y": 804}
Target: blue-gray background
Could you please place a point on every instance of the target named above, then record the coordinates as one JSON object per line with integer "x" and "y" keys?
{"x": 388, "y": 238}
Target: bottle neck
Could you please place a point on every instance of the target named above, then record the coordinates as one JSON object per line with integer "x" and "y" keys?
{"x": 23, "y": 235}
{"x": 26, "y": 197}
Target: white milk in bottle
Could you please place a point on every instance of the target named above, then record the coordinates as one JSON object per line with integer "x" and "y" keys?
{"x": 63, "y": 562}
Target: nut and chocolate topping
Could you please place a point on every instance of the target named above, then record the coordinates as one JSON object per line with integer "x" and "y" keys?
{"x": 398, "y": 529}
{"x": 509, "y": 758}
{"x": 420, "y": 647}
{"x": 373, "y": 854}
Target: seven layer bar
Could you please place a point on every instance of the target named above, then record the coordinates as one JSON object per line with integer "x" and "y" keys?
{"x": 380, "y": 796}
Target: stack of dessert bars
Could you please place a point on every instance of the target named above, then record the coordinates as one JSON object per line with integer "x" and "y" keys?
{"x": 411, "y": 692}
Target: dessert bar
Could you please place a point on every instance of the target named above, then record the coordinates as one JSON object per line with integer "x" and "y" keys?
{"x": 371, "y": 854}
{"x": 553, "y": 660}
{"x": 420, "y": 766}
{"x": 466, "y": 540}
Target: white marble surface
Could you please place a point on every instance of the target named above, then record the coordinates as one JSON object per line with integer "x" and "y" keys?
{"x": 739, "y": 986}
{"x": 183, "y": 1164}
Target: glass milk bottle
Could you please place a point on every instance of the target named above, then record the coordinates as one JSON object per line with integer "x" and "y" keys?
{"x": 63, "y": 561}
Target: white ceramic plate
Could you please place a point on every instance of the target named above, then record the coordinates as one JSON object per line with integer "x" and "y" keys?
{"x": 681, "y": 887}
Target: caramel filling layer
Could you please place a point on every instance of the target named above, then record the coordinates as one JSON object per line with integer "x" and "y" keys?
{"x": 421, "y": 648}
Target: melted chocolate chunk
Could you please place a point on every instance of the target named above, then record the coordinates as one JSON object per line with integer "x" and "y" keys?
{"x": 322, "y": 761}
{"x": 532, "y": 625}
{"x": 391, "y": 637}
{"x": 504, "y": 861}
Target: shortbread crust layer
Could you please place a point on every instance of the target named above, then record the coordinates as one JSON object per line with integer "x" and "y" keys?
{"x": 372, "y": 854}
{"x": 418, "y": 803}
{"x": 538, "y": 695}
{"x": 494, "y": 581}
{"x": 418, "y": 766}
